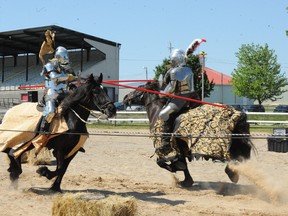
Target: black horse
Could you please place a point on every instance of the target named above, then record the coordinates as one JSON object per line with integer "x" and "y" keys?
{"x": 76, "y": 109}
{"x": 240, "y": 147}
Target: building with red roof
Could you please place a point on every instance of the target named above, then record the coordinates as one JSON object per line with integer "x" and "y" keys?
{"x": 217, "y": 77}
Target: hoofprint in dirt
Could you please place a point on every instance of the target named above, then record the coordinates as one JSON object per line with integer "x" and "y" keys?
{"x": 123, "y": 165}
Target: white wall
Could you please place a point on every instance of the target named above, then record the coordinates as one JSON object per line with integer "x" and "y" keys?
{"x": 223, "y": 94}
{"x": 108, "y": 67}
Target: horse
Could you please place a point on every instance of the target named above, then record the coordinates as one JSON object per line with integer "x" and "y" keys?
{"x": 76, "y": 108}
{"x": 238, "y": 149}
{"x": 48, "y": 45}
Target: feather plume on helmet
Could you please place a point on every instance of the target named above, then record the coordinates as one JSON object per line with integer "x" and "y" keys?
{"x": 192, "y": 47}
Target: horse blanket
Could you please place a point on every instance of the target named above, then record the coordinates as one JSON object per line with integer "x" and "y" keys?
{"x": 206, "y": 129}
{"x": 19, "y": 126}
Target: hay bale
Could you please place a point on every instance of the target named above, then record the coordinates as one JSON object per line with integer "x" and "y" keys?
{"x": 93, "y": 204}
{"x": 43, "y": 158}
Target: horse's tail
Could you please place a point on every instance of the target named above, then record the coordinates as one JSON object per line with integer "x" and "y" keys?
{"x": 241, "y": 144}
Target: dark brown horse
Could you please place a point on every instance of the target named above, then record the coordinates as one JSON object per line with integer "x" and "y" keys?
{"x": 76, "y": 109}
{"x": 239, "y": 148}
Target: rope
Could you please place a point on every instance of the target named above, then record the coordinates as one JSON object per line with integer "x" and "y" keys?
{"x": 148, "y": 134}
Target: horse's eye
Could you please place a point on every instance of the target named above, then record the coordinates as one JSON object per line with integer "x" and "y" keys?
{"x": 96, "y": 91}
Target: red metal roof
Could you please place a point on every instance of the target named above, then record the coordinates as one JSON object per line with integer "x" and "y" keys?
{"x": 217, "y": 77}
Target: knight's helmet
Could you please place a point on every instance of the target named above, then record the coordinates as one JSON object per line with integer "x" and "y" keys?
{"x": 61, "y": 54}
{"x": 177, "y": 58}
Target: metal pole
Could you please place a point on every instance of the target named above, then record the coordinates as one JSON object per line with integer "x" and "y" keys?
{"x": 146, "y": 70}
{"x": 202, "y": 61}
{"x": 203, "y": 65}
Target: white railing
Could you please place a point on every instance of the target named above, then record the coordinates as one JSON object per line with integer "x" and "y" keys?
{"x": 145, "y": 120}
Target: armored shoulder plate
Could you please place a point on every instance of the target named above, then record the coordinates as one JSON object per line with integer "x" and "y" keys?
{"x": 181, "y": 73}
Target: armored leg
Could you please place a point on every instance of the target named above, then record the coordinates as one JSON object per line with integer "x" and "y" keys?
{"x": 41, "y": 140}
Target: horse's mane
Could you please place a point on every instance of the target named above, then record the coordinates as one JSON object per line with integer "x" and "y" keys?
{"x": 155, "y": 86}
{"x": 83, "y": 90}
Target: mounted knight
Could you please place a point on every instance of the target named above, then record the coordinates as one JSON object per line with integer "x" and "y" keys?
{"x": 57, "y": 73}
{"x": 179, "y": 80}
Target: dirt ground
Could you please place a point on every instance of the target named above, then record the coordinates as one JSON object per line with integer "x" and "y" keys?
{"x": 122, "y": 165}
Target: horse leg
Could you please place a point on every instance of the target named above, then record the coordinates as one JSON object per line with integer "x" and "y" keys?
{"x": 178, "y": 166}
{"x": 15, "y": 170}
{"x": 62, "y": 165}
{"x": 162, "y": 163}
{"x": 188, "y": 180}
{"x": 44, "y": 171}
{"x": 181, "y": 163}
{"x": 233, "y": 176}
{"x": 62, "y": 170}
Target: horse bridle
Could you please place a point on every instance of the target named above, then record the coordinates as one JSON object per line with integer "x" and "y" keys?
{"x": 101, "y": 109}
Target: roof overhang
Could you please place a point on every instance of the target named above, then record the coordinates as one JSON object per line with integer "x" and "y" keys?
{"x": 25, "y": 41}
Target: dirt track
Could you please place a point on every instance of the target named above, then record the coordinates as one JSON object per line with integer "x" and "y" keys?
{"x": 122, "y": 165}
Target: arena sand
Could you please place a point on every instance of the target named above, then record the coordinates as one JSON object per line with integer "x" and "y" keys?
{"x": 122, "y": 165}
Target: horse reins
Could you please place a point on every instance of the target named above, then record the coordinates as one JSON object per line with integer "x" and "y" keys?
{"x": 90, "y": 111}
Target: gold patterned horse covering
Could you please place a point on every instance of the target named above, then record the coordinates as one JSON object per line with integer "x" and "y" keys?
{"x": 206, "y": 129}
{"x": 19, "y": 126}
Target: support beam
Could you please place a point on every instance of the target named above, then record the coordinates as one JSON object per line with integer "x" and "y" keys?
{"x": 27, "y": 62}
{"x": 3, "y": 68}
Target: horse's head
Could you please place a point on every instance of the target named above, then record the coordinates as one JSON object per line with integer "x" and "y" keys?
{"x": 98, "y": 97}
{"x": 92, "y": 96}
{"x": 137, "y": 96}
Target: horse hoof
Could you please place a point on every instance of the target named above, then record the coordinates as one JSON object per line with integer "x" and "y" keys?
{"x": 14, "y": 184}
{"x": 82, "y": 150}
{"x": 186, "y": 184}
{"x": 42, "y": 171}
{"x": 233, "y": 176}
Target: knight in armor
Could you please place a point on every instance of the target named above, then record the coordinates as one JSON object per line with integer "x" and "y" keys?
{"x": 180, "y": 81}
{"x": 57, "y": 73}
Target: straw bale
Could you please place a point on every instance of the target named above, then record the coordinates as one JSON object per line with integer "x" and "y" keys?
{"x": 79, "y": 204}
{"x": 43, "y": 158}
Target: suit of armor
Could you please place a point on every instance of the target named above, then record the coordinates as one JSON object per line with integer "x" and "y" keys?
{"x": 56, "y": 82}
{"x": 180, "y": 82}
{"x": 57, "y": 73}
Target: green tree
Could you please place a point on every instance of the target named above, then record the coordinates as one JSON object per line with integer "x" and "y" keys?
{"x": 257, "y": 75}
{"x": 194, "y": 63}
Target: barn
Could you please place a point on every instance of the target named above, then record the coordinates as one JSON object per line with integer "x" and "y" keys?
{"x": 20, "y": 65}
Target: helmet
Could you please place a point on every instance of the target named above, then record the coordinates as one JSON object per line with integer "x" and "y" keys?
{"x": 177, "y": 57}
{"x": 62, "y": 55}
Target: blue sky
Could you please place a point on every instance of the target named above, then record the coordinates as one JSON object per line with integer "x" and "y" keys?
{"x": 146, "y": 28}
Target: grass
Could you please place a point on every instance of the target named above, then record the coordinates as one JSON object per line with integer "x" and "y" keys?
{"x": 268, "y": 117}
{"x": 259, "y": 128}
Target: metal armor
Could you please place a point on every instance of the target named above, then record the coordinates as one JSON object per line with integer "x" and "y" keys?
{"x": 177, "y": 58}
{"x": 56, "y": 81}
{"x": 181, "y": 83}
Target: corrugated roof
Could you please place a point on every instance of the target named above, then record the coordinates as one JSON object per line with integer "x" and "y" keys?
{"x": 217, "y": 77}
{"x": 29, "y": 40}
